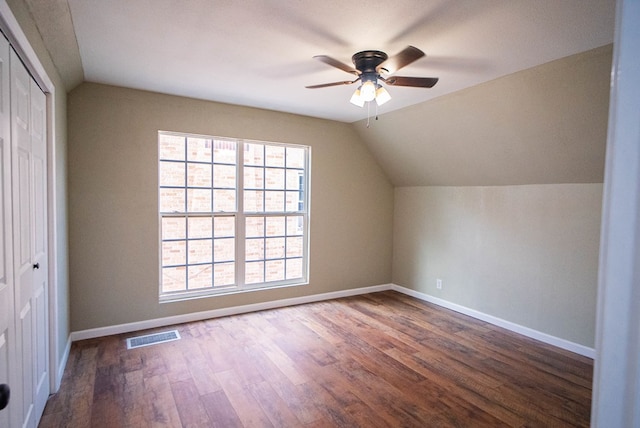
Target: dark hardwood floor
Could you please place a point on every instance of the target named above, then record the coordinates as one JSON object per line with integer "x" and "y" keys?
{"x": 377, "y": 360}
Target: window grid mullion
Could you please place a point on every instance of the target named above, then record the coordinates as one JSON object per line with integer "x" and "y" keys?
{"x": 186, "y": 212}
{"x": 264, "y": 210}
{"x": 213, "y": 216}
{"x": 240, "y": 224}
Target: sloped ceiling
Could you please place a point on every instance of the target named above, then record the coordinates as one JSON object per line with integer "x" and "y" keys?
{"x": 53, "y": 19}
{"x": 543, "y": 125}
{"x": 259, "y": 53}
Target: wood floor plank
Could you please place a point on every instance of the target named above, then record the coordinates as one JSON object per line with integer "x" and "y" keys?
{"x": 273, "y": 405}
{"x": 177, "y": 367}
{"x": 73, "y": 404}
{"x": 455, "y": 393}
{"x": 159, "y": 406}
{"x": 292, "y": 394}
{"x": 382, "y": 359}
{"x": 132, "y": 404}
{"x": 189, "y": 405}
{"x": 246, "y": 406}
{"x": 202, "y": 374}
{"x": 107, "y": 397}
{"x": 334, "y": 410}
{"x": 220, "y": 410}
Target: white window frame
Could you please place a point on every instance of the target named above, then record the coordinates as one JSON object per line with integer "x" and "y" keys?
{"x": 240, "y": 220}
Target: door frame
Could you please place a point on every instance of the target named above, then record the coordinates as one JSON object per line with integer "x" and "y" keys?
{"x": 20, "y": 43}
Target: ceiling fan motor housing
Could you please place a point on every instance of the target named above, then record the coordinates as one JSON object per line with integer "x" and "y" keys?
{"x": 368, "y": 61}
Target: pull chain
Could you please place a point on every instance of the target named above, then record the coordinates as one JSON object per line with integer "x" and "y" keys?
{"x": 368, "y": 113}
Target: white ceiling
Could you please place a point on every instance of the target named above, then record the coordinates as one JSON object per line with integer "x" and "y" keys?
{"x": 259, "y": 52}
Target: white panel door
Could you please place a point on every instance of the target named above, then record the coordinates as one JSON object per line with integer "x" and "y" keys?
{"x": 21, "y": 154}
{"x": 7, "y": 339}
{"x": 29, "y": 238}
{"x": 39, "y": 258}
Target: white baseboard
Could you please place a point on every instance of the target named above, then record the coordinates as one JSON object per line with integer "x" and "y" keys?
{"x": 525, "y": 331}
{"x": 216, "y": 313}
{"x": 236, "y": 310}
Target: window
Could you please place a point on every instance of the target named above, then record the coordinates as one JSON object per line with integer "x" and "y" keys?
{"x": 233, "y": 215}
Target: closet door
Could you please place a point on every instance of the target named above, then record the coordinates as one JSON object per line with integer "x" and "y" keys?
{"x": 8, "y": 372}
{"x": 39, "y": 242}
{"x": 29, "y": 238}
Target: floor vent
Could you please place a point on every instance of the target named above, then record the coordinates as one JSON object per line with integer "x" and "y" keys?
{"x": 152, "y": 339}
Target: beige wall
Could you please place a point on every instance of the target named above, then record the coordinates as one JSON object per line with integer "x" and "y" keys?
{"x": 508, "y": 240}
{"x": 526, "y": 254}
{"x": 113, "y": 201}
{"x": 61, "y": 297}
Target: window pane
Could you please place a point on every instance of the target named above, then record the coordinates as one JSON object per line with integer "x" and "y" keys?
{"x": 274, "y": 155}
{"x": 224, "y": 151}
{"x": 200, "y": 227}
{"x": 174, "y": 279}
{"x": 254, "y": 226}
{"x": 198, "y": 149}
{"x": 274, "y": 201}
{"x": 200, "y": 251}
{"x": 171, "y": 147}
{"x": 294, "y": 202}
{"x": 274, "y": 248}
{"x": 172, "y": 200}
{"x": 199, "y": 175}
{"x": 294, "y": 246}
{"x": 253, "y": 201}
{"x": 274, "y": 178}
{"x": 224, "y": 249}
{"x": 172, "y": 174}
{"x": 254, "y": 154}
{"x": 173, "y": 228}
{"x": 295, "y": 157}
{"x": 224, "y": 274}
{"x": 199, "y": 200}
{"x": 294, "y": 268}
{"x": 200, "y": 277}
{"x": 174, "y": 253}
{"x": 275, "y": 226}
{"x": 253, "y": 177}
{"x": 295, "y": 225}
{"x": 254, "y": 249}
{"x": 224, "y": 227}
{"x": 224, "y": 200}
{"x": 224, "y": 176}
{"x": 294, "y": 179}
{"x": 274, "y": 270}
{"x": 254, "y": 272}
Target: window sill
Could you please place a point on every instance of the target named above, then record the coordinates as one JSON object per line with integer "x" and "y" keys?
{"x": 226, "y": 291}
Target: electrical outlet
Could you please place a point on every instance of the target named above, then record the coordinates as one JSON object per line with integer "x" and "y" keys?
{"x": 439, "y": 284}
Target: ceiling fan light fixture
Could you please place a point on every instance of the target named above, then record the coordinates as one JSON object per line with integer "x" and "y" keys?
{"x": 368, "y": 91}
{"x": 356, "y": 98}
{"x": 382, "y": 96}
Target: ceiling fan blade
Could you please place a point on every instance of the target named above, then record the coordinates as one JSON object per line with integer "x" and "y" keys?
{"x": 337, "y": 64}
{"x": 402, "y": 59}
{"x": 326, "y": 85}
{"x": 419, "y": 82}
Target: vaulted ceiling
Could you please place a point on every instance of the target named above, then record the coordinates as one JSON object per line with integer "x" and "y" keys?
{"x": 259, "y": 53}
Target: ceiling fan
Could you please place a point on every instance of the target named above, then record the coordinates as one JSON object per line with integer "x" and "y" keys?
{"x": 374, "y": 66}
